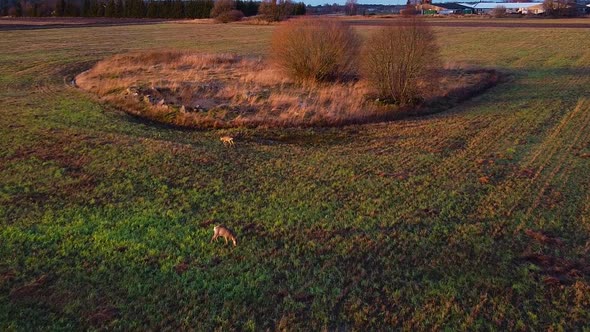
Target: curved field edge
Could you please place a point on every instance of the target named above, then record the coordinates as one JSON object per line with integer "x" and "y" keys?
{"x": 473, "y": 218}
{"x": 204, "y": 91}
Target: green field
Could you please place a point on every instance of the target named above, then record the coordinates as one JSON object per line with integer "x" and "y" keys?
{"x": 427, "y": 223}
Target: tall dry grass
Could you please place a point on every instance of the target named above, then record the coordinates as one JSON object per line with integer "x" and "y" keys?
{"x": 225, "y": 90}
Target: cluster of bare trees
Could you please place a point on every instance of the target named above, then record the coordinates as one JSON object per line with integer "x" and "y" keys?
{"x": 395, "y": 59}
{"x": 109, "y": 8}
{"x": 560, "y": 8}
{"x": 269, "y": 10}
{"x": 222, "y": 10}
{"x": 351, "y": 7}
{"x": 279, "y": 10}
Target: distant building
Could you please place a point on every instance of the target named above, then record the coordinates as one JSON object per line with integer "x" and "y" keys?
{"x": 511, "y": 7}
{"x": 361, "y": 9}
{"x": 445, "y": 8}
{"x": 379, "y": 9}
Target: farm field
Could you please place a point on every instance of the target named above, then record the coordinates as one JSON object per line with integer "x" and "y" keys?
{"x": 23, "y": 23}
{"x": 475, "y": 218}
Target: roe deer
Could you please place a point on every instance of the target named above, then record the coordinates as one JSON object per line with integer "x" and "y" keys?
{"x": 226, "y": 233}
{"x": 227, "y": 140}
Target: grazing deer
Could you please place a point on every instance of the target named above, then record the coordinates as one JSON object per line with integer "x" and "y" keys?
{"x": 227, "y": 140}
{"x": 226, "y": 233}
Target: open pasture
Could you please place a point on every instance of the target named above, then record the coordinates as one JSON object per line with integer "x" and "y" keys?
{"x": 475, "y": 218}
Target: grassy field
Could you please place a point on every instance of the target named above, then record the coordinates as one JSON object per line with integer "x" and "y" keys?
{"x": 476, "y": 218}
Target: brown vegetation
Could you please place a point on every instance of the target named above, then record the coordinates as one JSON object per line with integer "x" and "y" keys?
{"x": 103, "y": 316}
{"x": 275, "y": 10}
{"x": 398, "y": 58}
{"x": 542, "y": 237}
{"x": 499, "y": 12}
{"x": 224, "y": 11}
{"x": 215, "y": 91}
{"x": 230, "y": 16}
{"x": 30, "y": 289}
{"x": 560, "y": 8}
{"x": 312, "y": 50}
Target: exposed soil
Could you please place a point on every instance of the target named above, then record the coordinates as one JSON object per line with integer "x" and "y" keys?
{"x": 103, "y": 316}
{"x": 542, "y": 237}
{"x": 29, "y": 23}
{"x": 28, "y": 290}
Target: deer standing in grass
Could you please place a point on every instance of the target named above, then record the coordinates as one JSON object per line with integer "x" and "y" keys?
{"x": 227, "y": 140}
{"x": 226, "y": 233}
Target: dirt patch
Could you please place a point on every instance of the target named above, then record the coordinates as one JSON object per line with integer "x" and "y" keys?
{"x": 103, "y": 316}
{"x": 543, "y": 237}
{"x": 556, "y": 270}
{"x": 59, "y": 149}
{"x": 527, "y": 173}
{"x": 29, "y": 23}
{"x": 7, "y": 276}
{"x": 221, "y": 91}
{"x": 254, "y": 229}
{"x": 402, "y": 175}
{"x": 181, "y": 268}
{"x": 30, "y": 289}
{"x": 207, "y": 223}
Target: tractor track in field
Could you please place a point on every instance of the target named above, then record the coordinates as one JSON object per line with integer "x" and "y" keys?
{"x": 448, "y": 165}
{"x": 585, "y": 215}
{"x": 544, "y": 155}
{"x": 583, "y": 107}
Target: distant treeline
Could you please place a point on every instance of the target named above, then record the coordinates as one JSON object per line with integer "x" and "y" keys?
{"x": 125, "y": 8}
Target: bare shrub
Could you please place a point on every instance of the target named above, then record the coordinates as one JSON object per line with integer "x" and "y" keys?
{"x": 231, "y": 16}
{"x": 398, "y": 58}
{"x": 409, "y": 11}
{"x": 224, "y": 11}
{"x": 314, "y": 50}
{"x": 499, "y": 12}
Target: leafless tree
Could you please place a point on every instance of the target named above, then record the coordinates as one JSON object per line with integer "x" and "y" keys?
{"x": 351, "y": 7}
{"x": 398, "y": 57}
{"x": 315, "y": 49}
{"x": 557, "y": 8}
{"x": 222, "y": 6}
{"x": 275, "y": 10}
{"x": 499, "y": 11}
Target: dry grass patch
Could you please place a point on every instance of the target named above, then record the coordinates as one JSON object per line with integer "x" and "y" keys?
{"x": 224, "y": 90}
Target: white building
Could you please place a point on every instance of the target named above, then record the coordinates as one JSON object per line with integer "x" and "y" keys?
{"x": 511, "y": 7}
